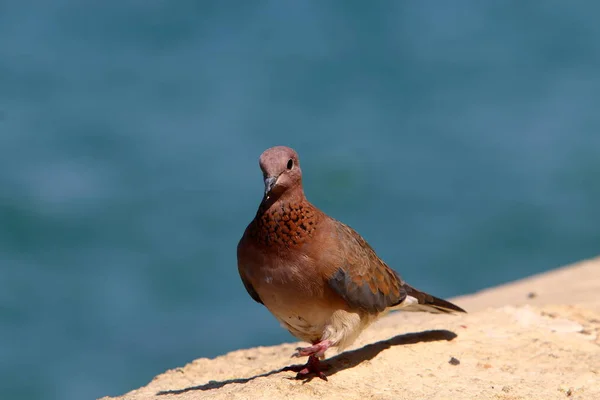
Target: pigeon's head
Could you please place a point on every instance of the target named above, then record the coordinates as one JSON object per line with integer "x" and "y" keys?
{"x": 281, "y": 171}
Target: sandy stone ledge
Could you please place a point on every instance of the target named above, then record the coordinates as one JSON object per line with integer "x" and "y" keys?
{"x": 537, "y": 338}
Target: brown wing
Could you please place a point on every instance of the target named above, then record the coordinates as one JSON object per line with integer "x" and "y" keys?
{"x": 363, "y": 280}
{"x": 242, "y": 263}
{"x": 250, "y": 288}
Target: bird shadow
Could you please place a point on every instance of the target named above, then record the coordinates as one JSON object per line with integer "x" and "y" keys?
{"x": 340, "y": 362}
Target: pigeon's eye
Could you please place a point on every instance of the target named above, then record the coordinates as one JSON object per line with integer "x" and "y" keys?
{"x": 290, "y": 164}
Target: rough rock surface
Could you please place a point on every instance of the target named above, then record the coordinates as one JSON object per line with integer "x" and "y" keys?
{"x": 538, "y": 338}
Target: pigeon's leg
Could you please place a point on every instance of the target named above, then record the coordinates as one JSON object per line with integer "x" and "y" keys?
{"x": 318, "y": 350}
{"x": 313, "y": 366}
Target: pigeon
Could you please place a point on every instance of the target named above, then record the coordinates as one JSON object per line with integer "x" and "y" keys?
{"x": 321, "y": 280}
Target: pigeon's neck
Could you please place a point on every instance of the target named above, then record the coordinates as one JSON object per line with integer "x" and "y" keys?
{"x": 287, "y": 221}
{"x": 286, "y": 199}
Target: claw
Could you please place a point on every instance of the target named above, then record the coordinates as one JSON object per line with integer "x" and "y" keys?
{"x": 313, "y": 366}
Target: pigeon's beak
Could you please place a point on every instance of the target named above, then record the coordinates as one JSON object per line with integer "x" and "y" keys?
{"x": 269, "y": 183}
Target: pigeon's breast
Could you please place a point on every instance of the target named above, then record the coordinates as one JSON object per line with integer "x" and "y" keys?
{"x": 297, "y": 297}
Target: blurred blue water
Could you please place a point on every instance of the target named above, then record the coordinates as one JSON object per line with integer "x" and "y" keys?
{"x": 460, "y": 138}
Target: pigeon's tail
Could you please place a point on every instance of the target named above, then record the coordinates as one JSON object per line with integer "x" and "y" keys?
{"x": 420, "y": 301}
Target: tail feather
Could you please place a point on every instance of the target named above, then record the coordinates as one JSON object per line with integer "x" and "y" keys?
{"x": 421, "y": 301}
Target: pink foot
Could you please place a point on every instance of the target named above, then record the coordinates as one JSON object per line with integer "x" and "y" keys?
{"x": 313, "y": 366}
{"x": 318, "y": 350}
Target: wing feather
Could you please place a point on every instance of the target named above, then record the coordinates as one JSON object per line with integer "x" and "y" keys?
{"x": 363, "y": 280}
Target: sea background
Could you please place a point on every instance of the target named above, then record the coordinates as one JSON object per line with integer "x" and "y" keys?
{"x": 460, "y": 138}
